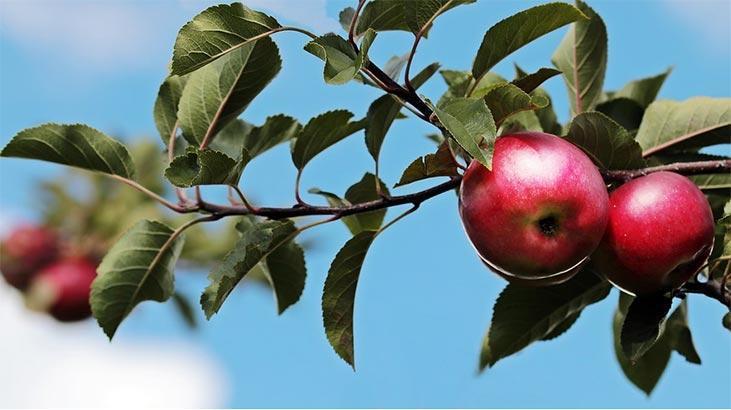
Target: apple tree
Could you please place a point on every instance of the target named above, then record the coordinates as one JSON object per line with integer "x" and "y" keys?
{"x": 624, "y": 194}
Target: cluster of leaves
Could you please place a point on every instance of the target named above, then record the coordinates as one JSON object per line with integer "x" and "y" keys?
{"x": 91, "y": 211}
{"x": 224, "y": 58}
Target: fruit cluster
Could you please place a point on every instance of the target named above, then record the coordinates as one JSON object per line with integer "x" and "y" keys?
{"x": 53, "y": 280}
{"x": 543, "y": 212}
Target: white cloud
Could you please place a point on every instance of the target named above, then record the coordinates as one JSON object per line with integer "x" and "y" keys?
{"x": 48, "y": 364}
{"x": 101, "y": 34}
{"x": 710, "y": 18}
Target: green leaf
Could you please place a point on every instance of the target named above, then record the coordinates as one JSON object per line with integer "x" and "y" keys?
{"x": 207, "y": 167}
{"x": 75, "y": 145}
{"x": 219, "y": 92}
{"x": 530, "y": 82}
{"x": 582, "y": 57}
{"x": 215, "y": 32}
{"x": 342, "y": 63}
{"x": 520, "y": 121}
{"x": 384, "y": 110}
{"x": 138, "y": 267}
{"x": 185, "y": 308}
{"x": 507, "y": 99}
{"x": 712, "y": 182}
{"x": 362, "y": 191}
{"x": 646, "y": 371}
{"x": 688, "y": 125}
{"x": 606, "y": 142}
{"x": 230, "y": 140}
{"x": 286, "y": 272}
{"x": 678, "y": 332}
{"x": 420, "y": 13}
{"x": 643, "y": 324}
{"x": 627, "y": 113}
{"x": 394, "y": 65}
{"x": 643, "y": 91}
{"x": 338, "y": 298}
{"x": 518, "y": 30}
{"x": 322, "y": 132}
{"x": 547, "y": 116}
{"x": 365, "y": 191}
{"x": 166, "y": 106}
{"x": 382, "y": 15}
{"x": 256, "y": 243}
{"x": 523, "y": 315}
{"x": 239, "y": 136}
{"x": 345, "y": 17}
{"x": 471, "y": 125}
{"x": 439, "y": 164}
{"x": 460, "y": 82}
{"x": 562, "y": 327}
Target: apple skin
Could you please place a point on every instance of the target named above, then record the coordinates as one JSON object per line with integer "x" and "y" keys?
{"x": 63, "y": 288}
{"x": 541, "y": 210}
{"x": 660, "y": 234}
{"x": 24, "y": 251}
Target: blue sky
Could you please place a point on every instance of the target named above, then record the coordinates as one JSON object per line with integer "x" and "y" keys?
{"x": 424, "y": 299}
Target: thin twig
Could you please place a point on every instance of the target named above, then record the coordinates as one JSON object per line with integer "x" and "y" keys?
{"x": 417, "y": 39}
{"x": 158, "y": 198}
{"x": 353, "y": 23}
{"x": 243, "y": 199}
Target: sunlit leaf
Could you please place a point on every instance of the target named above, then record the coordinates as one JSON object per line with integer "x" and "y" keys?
{"x": 137, "y": 268}
{"x": 582, "y": 57}
{"x": 688, "y": 125}
{"x": 216, "y": 31}
{"x": 75, "y": 145}
{"x": 219, "y": 92}
{"x": 472, "y": 126}
{"x": 514, "y": 32}
{"x": 256, "y": 243}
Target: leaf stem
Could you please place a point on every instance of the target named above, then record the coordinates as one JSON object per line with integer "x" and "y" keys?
{"x": 417, "y": 39}
{"x": 158, "y": 198}
{"x": 179, "y": 192}
{"x": 398, "y": 218}
{"x": 353, "y": 23}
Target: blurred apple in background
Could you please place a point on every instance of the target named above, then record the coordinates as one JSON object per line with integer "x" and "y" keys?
{"x": 24, "y": 251}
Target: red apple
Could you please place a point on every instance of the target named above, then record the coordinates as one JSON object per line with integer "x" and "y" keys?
{"x": 63, "y": 289}
{"x": 27, "y": 249}
{"x": 541, "y": 210}
{"x": 660, "y": 233}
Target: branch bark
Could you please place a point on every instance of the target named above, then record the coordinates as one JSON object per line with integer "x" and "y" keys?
{"x": 685, "y": 168}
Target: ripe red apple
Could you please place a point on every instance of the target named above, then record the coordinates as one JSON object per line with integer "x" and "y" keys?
{"x": 539, "y": 212}
{"x": 660, "y": 233}
{"x": 25, "y": 250}
{"x": 63, "y": 289}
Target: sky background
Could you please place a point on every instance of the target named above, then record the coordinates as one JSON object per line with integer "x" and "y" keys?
{"x": 424, "y": 300}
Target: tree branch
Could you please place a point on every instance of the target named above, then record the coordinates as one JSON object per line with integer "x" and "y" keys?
{"x": 712, "y": 289}
{"x": 684, "y": 168}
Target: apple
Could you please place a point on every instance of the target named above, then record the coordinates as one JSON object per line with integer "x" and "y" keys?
{"x": 660, "y": 234}
{"x": 540, "y": 211}
{"x": 63, "y": 288}
{"x": 25, "y": 250}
